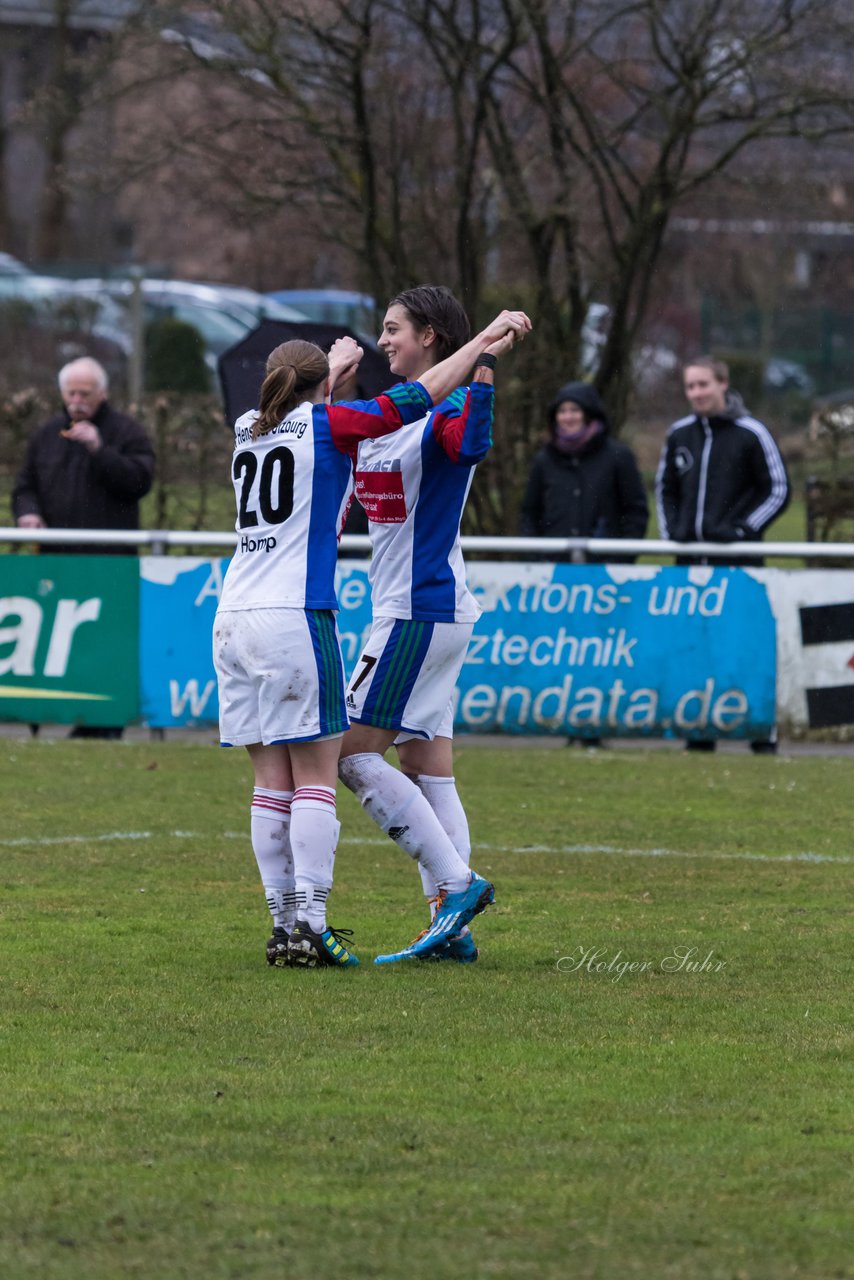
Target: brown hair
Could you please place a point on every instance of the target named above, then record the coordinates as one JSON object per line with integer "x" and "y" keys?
{"x": 716, "y": 367}
{"x": 293, "y": 369}
{"x": 434, "y": 305}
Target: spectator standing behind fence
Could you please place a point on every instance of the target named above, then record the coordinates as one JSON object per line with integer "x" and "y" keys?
{"x": 583, "y": 484}
{"x": 87, "y": 467}
{"x": 721, "y": 477}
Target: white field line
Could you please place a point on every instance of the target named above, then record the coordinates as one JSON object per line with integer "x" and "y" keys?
{"x": 610, "y": 850}
{"x": 107, "y": 838}
{"x": 620, "y": 852}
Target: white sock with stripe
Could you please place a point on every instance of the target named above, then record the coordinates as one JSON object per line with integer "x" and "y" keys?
{"x": 397, "y": 807}
{"x": 314, "y": 838}
{"x": 269, "y": 824}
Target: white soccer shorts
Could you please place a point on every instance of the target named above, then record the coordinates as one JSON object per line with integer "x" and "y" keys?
{"x": 280, "y": 676}
{"x": 405, "y": 676}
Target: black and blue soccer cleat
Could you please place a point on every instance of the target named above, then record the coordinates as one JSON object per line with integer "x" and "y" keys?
{"x": 277, "y": 949}
{"x": 308, "y": 949}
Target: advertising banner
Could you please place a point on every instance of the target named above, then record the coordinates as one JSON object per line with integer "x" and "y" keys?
{"x": 178, "y": 600}
{"x": 69, "y": 639}
{"x": 815, "y": 628}
{"x": 591, "y": 650}
{"x": 598, "y": 650}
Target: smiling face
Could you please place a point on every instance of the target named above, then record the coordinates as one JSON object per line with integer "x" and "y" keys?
{"x": 705, "y": 392}
{"x": 410, "y": 351}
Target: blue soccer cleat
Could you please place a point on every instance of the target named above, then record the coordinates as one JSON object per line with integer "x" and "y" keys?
{"x": 462, "y": 948}
{"x": 452, "y": 914}
{"x": 308, "y": 949}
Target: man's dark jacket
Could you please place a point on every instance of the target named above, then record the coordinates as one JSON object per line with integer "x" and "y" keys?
{"x": 71, "y": 488}
{"x": 597, "y": 493}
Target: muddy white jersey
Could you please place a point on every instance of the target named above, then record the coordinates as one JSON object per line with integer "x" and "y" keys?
{"x": 413, "y": 486}
{"x": 290, "y": 486}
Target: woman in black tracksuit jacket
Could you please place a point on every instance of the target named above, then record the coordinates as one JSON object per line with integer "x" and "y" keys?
{"x": 582, "y": 483}
{"x": 721, "y": 477}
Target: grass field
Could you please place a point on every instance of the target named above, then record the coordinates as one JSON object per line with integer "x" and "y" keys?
{"x": 172, "y": 1108}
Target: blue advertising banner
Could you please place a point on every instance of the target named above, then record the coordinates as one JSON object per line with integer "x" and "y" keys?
{"x": 178, "y": 597}
{"x": 621, "y": 650}
{"x": 592, "y": 650}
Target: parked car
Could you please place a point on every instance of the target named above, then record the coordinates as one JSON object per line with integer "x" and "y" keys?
{"x": 45, "y": 322}
{"x": 222, "y": 314}
{"x": 260, "y": 306}
{"x": 787, "y": 375}
{"x": 10, "y": 266}
{"x": 57, "y": 303}
{"x": 357, "y": 311}
{"x": 202, "y": 305}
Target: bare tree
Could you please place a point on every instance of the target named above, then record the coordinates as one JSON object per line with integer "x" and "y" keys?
{"x": 57, "y": 73}
{"x": 537, "y": 145}
{"x": 637, "y": 106}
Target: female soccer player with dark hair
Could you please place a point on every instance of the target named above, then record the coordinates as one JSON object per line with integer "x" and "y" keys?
{"x": 413, "y": 487}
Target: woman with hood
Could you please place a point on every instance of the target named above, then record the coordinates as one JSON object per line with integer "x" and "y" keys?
{"x": 583, "y": 484}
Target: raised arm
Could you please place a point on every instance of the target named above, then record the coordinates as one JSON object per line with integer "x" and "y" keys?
{"x": 344, "y": 357}
{"x": 440, "y": 381}
{"x": 462, "y": 423}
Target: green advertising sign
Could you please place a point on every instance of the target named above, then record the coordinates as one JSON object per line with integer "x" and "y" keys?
{"x": 69, "y": 639}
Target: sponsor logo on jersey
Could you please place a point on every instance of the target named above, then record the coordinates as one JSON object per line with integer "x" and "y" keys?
{"x": 381, "y": 494}
{"x": 384, "y": 464}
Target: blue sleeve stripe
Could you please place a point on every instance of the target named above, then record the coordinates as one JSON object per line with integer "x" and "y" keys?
{"x": 410, "y": 395}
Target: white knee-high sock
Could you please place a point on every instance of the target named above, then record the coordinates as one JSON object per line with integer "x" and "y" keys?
{"x": 443, "y": 798}
{"x": 398, "y": 808}
{"x": 314, "y": 838}
{"x": 270, "y": 820}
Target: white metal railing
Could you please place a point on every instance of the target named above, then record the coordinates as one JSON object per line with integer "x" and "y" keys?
{"x": 158, "y": 541}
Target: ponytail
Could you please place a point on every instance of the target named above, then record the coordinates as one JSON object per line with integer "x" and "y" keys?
{"x": 294, "y": 371}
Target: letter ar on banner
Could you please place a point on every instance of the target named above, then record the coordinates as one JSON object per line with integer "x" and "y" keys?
{"x": 69, "y": 631}
{"x": 599, "y": 650}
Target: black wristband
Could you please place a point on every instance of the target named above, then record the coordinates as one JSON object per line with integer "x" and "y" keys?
{"x": 486, "y": 361}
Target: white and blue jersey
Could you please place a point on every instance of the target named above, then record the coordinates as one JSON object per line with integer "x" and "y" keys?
{"x": 291, "y": 486}
{"x": 413, "y": 486}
